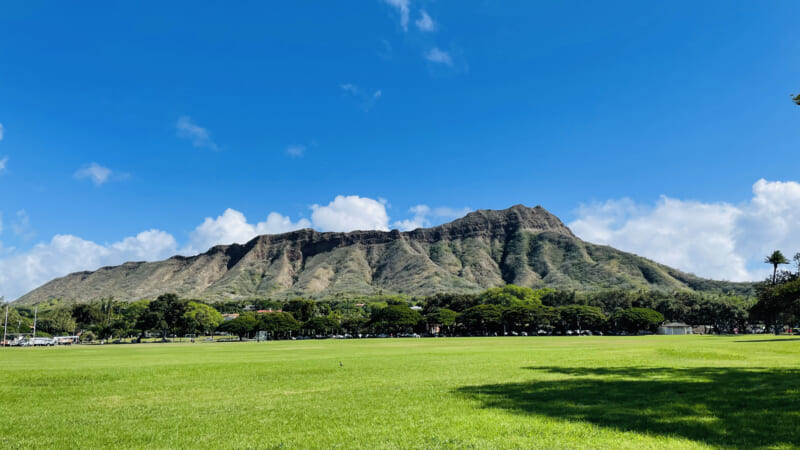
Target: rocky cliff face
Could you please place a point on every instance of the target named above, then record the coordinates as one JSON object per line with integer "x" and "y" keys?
{"x": 486, "y": 248}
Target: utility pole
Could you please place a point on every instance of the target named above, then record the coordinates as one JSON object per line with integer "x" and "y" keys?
{"x": 35, "y": 311}
{"x": 5, "y": 326}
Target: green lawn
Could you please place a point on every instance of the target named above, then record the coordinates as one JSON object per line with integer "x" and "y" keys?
{"x": 599, "y": 392}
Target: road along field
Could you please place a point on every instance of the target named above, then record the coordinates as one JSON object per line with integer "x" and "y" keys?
{"x": 522, "y": 392}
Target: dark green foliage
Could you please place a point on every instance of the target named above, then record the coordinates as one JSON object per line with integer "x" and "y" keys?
{"x": 267, "y": 304}
{"x": 500, "y": 310}
{"x": 86, "y": 314}
{"x": 445, "y": 318}
{"x": 57, "y": 321}
{"x": 634, "y": 320}
{"x": 200, "y": 318}
{"x": 279, "y": 324}
{"x": 529, "y": 317}
{"x": 396, "y": 319}
{"x": 456, "y": 302}
{"x": 17, "y": 323}
{"x": 778, "y": 304}
{"x": 776, "y": 258}
{"x": 241, "y": 326}
{"x": 355, "y": 324}
{"x": 581, "y": 317}
{"x": 301, "y": 309}
{"x": 321, "y": 325}
{"x": 442, "y": 316}
{"x": 164, "y": 314}
{"x": 796, "y": 99}
{"x": 485, "y": 319}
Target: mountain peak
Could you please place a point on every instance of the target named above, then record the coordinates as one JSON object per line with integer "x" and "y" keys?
{"x": 517, "y": 217}
{"x": 485, "y": 248}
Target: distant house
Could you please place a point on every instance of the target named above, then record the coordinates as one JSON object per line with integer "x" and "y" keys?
{"x": 229, "y": 316}
{"x": 674, "y": 328}
{"x": 268, "y": 311}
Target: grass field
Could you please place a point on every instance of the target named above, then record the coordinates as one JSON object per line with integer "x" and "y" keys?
{"x": 599, "y": 392}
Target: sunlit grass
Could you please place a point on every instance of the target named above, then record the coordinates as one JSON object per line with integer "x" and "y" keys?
{"x": 654, "y": 392}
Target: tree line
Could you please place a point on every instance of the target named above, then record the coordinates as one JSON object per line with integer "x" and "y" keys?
{"x": 497, "y": 311}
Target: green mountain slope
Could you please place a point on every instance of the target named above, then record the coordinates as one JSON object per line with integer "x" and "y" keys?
{"x": 486, "y": 248}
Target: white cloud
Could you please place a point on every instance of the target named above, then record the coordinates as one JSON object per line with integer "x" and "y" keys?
{"x": 232, "y": 227}
{"x": 402, "y": 8}
{"x": 425, "y": 23}
{"x": 277, "y": 224}
{"x": 716, "y": 240}
{"x": 438, "y": 56}
{"x": 348, "y": 213}
{"x": 200, "y": 137}
{"x": 22, "y": 227}
{"x": 65, "y": 254}
{"x": 296, "y": 151}
{"x": 366, "y": 97}
{"x": 97, "y": 173}
{"x": 349, "y": 87}
{"x": 3, "y": 163}
{"x": 424, "y": 216}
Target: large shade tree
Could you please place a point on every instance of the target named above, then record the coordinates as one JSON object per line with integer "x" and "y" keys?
{"x": 634, "y": 320}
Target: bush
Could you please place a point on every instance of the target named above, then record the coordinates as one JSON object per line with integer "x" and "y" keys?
{"x": 88, "y": 337}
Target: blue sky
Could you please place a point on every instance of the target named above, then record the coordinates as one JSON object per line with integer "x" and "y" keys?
{"x": 645, "y": 126}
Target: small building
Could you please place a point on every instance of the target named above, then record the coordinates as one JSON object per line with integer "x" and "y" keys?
{"x": 671, "y": 328}
{"x": 229, "y": 316}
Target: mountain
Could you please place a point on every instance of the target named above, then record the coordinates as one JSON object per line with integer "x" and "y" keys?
{"x": 486, "y": 248}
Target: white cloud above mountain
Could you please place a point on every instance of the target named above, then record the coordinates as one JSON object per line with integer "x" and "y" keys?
{"x": 64, "y": 254}
{"x": 347, "y": 213}
{"x": 232, "y": 227}
{"x": 425, "y": 216}
{"x": 711, "y": 239}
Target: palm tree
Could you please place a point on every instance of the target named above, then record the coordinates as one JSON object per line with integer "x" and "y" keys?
{"x": 797, "y": 99}
{"x": 775, "y": 258}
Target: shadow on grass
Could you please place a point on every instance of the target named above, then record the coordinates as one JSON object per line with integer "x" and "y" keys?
{"x": 718, "y": 406}
{"x": 773, "y": 340}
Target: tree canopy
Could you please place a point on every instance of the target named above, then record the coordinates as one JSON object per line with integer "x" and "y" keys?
{"x": 634, "y": 320}
{"x": 776, "y": 258}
